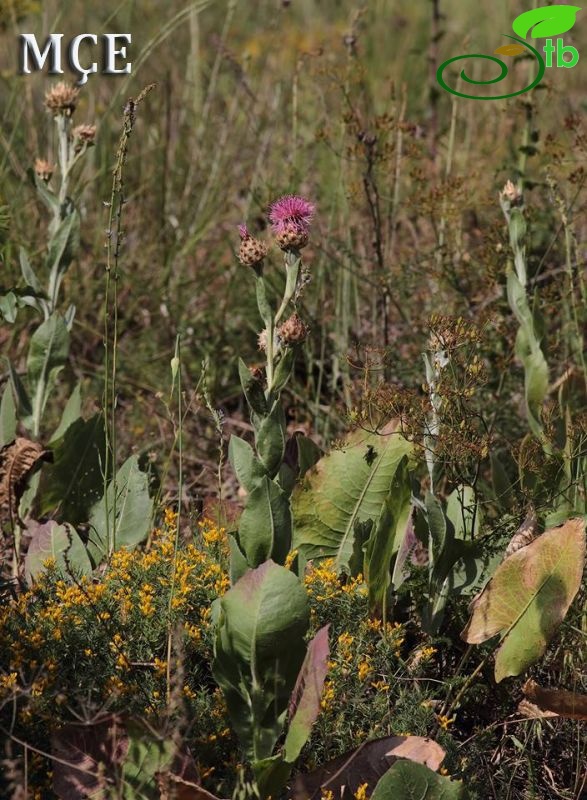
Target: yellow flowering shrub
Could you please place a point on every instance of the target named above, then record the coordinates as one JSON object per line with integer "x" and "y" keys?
{"x": 81, "y": 645}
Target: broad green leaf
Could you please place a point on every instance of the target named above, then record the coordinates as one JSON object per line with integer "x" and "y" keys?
{"x": 349, "y": 484}
{"x": 74, "y": 481}
{"x": 126, "y": 520}
{"x": 407, "y": 780}
{"x": 264, "y": 529}
{"x": 305, "y": 701}
{"x": 238, "y": 562}
{"x": 258, "y": 652}
{"x": 71, "y": 412}
{"x": 48, "y": 351}
{"x": 387, "y": 536}
{"x": 61, "y": 542}
{"x": 247, "y": 467}
{"x": 23, "y": 403}
{"x": 270, "y": 439}
{"x": 7, "y": 416}
{"x": 528, "y": 597}
{"x": 545, "y": 21}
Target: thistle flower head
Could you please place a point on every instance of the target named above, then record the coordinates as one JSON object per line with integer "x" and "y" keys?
{"x": 243, "y": 232}
{"x": 61, "y": 99}
{"x": 293, "y": 330}
{"x": 44, "y": 169}
{"x": 291, "y": 214}
{"x": 83, "y": 135}
{"x": 511, "y": 193}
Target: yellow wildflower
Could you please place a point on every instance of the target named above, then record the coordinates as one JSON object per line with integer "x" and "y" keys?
{"x": 364, "y": 670}
{"x": 444, "y": 721}
{"x": 361, "y": 793}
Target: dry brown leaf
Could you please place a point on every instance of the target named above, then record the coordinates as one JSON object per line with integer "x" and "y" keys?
{"x": 17, "y": 460}
{"x": 531, "y": 711}
{"x": 562, "y": 702}
{"x": 366, "y": 764}
{"x": 420, "y": 749}
{"x": 525, "y": 534}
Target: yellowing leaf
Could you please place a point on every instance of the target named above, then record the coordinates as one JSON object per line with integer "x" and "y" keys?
{"x": 528, "y": 597}
{"x": 509, "y": 50}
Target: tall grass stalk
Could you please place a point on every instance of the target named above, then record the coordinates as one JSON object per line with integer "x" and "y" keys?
{"x": 114, "y": 231}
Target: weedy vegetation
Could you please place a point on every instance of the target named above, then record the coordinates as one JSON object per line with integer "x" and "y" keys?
{"x": 293, "y": 422}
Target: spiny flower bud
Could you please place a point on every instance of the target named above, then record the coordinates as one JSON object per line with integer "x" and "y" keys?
{"x": 293, "y": 330}
{"x": 251, "y": 251}
{"x": 83, "y": 135}
{"x": 44, "y": 169}
{"x": 61, "y": 99}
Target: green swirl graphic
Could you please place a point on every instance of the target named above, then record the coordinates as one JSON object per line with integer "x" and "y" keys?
{"x": 501, "y": 76}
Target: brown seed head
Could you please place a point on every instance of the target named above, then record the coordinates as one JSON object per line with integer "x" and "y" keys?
{"x": 293, "y": 330}
{"x": 44, "y": 169}
{"x": 291, "y": 238}
{"x": 61, "y": 99}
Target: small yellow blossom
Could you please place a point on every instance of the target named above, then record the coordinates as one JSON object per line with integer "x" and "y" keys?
{"x": 444, "y": 722}
{"x": 361, "y": 793}
{"x": 363, "y": 670}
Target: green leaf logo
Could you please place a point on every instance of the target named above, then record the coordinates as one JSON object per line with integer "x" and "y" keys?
{"x": 545, "y": 21}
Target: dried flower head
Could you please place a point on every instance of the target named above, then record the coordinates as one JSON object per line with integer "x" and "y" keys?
{"x": 511, "y": 193}
{"x": 61, "y": 99}
{"x": 251, "y": 251}
{"x": 290, "y": 218}
{"x": 83, "y": 135}
{"x": 293, "y": 330}
{"x": 262, "y": 341}
{"x": 44, "y": 169}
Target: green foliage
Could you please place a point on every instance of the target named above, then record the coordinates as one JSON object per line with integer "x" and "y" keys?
{"x": 386, "y": 538}
{"x": 48, "y": 352}
{"x": 8, "y": 418}
{"x": 122, "y": 518}
{"x": 347, "y": 486}
{"x": 528, "y": 597}
{"x": 412, "y": 781}
{"x": 258, "y": 652}
{"x": 74, "y": 482}
{"x": 264, "y": 530}
{"x": 59, "y": 542}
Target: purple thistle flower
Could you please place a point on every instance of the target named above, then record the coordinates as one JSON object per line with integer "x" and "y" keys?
{"x": 243, "y": 232}
{"x": 291, "y": 213}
